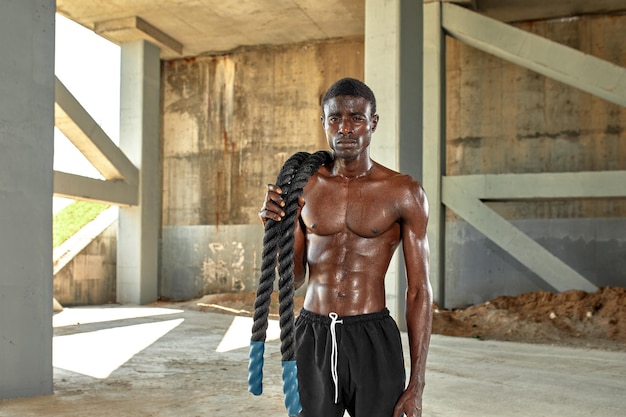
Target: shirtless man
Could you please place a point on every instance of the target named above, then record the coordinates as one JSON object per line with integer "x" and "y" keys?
{"x": 354, "y": 213}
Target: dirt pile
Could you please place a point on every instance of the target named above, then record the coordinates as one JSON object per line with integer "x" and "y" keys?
{"x": 572, "y": 318}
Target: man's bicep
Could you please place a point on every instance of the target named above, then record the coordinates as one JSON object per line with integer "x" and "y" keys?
{"x": 414, "y": 238}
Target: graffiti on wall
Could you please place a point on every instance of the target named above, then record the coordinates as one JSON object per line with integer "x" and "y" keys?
{"x": 223, "y": 268}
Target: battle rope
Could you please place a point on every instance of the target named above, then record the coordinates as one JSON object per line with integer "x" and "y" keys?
{"x": 278, "y": 253}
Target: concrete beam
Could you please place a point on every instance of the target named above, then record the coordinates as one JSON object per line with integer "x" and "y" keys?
{"x": 562, "y": 63}
{"x": 134, "y": 28}
{"x": 530, "y": 253}
{"x": 600, "y": 184}
{"x": 77, "y": 187}
{"x": 524, "y": 10}
{"x": 82, "y": 130}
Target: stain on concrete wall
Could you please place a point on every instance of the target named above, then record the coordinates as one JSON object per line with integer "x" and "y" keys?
{"x": 199, "y": 260}
{"x": 223, "y": 267}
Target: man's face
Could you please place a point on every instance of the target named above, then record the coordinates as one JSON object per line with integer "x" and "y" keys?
{"x": 349, "y": 124}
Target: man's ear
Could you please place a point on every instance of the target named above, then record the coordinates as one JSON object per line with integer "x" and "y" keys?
{"x": 374, "y": 122}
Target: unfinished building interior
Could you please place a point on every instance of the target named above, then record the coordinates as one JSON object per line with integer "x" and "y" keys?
{"x": 511, "y": 113}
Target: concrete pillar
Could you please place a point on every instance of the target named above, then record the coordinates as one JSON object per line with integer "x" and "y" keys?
{"x": 26, "y": 140}
{"x": 138, "y": 226}
{"x": 435, "y": 142}
{"x": 393, "y": 69}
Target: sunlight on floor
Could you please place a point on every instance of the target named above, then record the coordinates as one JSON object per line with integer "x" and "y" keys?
{"x": 99, "y": 353}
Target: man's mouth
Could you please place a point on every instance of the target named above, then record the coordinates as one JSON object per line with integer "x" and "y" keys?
{"x": 346, "y": 142}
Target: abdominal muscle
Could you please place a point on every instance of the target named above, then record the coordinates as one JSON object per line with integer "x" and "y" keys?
{"x": 347, "y": 273}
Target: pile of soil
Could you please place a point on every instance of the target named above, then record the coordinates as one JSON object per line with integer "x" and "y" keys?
{"x": 572, "y": 318}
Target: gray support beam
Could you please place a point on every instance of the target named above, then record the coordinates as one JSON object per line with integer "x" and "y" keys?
{"x": 434, "y": 138}
{"x": 26, "y": 140}
{"x": 562, "y": 63}
{"x": 393, "y": 69}
{"x": 77, "y": 187}
{"x": 597, "y": 184}
{"x": 138, "y": 226}
{"x": 132, "y": 28}
{"x": 82, "y": 130}
{"x": 535, "y": 257}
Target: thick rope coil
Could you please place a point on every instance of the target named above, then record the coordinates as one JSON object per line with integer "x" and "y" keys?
{"x": 278, "y": 250}
{"x": 285, "y": 257}
{"x": 273, "y": 231}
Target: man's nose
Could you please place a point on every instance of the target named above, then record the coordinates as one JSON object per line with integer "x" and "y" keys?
{"x": 345, "y": 127}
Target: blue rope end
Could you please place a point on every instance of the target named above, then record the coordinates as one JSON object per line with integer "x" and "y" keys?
{"x": 290, "y": 388}
{"x": 255, "y": 368}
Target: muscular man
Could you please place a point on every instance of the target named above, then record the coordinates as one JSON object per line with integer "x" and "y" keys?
{"x": 354, "y": 213}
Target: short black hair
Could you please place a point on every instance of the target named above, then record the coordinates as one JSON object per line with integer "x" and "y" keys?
{"x": 350, "y": 87}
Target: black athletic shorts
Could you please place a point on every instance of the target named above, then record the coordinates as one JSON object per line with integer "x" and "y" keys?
{"x": 365, "y": 374}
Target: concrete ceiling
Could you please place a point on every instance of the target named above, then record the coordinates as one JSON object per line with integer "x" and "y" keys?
{"x": 195, "y": 27}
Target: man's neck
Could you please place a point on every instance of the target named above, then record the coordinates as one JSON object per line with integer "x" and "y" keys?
{"x": 352, "y": 169}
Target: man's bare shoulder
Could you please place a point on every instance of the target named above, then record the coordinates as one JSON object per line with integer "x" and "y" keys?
{"x": 401, "y": 181}
{"x": 406, "y": 191}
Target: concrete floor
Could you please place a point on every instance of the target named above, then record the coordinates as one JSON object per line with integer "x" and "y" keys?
{"x": 165, "y": 362}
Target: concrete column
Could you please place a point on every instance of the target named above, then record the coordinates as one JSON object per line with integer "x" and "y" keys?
{"x": 26, "y": 140}
{"x": 138, "y": 230}
{"x": 393, "y": 69}
{"x": 435, "y": 142}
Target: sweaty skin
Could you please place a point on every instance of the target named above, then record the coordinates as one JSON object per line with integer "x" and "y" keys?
{"x": 353, "y": 215}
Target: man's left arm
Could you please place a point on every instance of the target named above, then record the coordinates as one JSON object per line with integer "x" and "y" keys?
{"x": 418, "y": 297}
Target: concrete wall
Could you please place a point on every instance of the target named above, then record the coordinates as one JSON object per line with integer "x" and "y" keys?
{"x": 90, "y": 277}
{"x": 502, "y": 118}
{"x": 229, "y": 123}
{"x": 26, "y": 141}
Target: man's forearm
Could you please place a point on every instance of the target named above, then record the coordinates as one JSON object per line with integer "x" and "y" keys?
{"x": 419, "y": 326}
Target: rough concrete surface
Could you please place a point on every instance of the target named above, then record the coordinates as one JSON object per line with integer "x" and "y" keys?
{"x": 180, "y": 373}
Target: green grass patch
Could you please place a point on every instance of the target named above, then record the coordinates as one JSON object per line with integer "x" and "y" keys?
{"x": 72, "y": 218}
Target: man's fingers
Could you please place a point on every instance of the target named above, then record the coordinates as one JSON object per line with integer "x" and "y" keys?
{"x": 264, "y": 215}
{"x": 273, "y": 206}
{"x": 275, "y": 188}
{"x": 272, "y": 209}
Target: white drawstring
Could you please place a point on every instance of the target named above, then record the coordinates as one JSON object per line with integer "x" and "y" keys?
{"x": 333, "y": 353}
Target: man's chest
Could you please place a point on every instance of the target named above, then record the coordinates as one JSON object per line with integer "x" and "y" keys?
{"x": 362, "y": 208}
